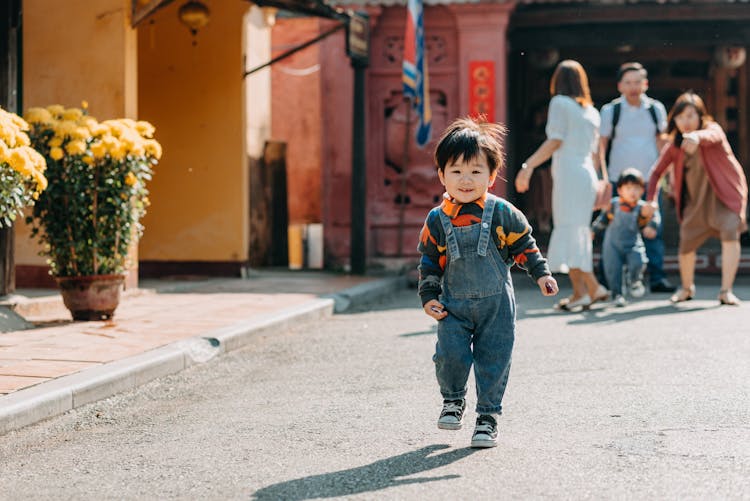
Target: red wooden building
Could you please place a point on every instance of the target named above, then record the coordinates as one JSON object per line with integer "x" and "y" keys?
{"x": 495, "y": 57}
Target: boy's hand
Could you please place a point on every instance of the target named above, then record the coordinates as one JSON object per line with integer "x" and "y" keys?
{"x": 434, "y": 309}
{"x": 593, "y": 235}
{"x": 649, "y": 232}
{"x": 547, "y": 285}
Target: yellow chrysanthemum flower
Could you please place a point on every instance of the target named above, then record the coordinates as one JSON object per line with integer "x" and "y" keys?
{"x": 129, "y": 139}
{"x": 81, "y": 133}
{"x": 130, "y": 179}
{"x": 85, "y": 104}
{"x": 72, "y": 114}
{"x": 56, "y": 153}
{"x": 40, "y": 116}
{"x": 116, "y": 129}
{"x": 22, "y": 139}
{"x": 88, "y": 160}
{"x": 118, "y": 153}
{"x": 145, "y": 129}
{"x": 98, "y": 130}
{"x": 88, "y": 122}
{"x": 114, "y": 147}
{"x": 4, "y": 151}
{"x": 8, "y": 133}
{"x": 40, "y": 180}
{"x": 76, "y": 147}
{"x": 56, "y": 110}
{"x": 55, "y": 141}
{"x": 153, "y": 148}
{"x": 98, "y": 149}
{"x": 65, "y": 128}
{"x": 37, "y": 160}
{"x": 20, "y": 162}
{"x": 19, "y": 122}
{"x": 127, "y": 122}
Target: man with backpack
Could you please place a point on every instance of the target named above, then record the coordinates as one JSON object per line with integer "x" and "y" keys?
{"x": 631, "y": 132}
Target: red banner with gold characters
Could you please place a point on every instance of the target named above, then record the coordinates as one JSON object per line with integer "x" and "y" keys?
{"x": 482, "y": 89}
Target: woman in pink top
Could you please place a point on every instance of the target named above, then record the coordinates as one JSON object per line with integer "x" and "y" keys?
{"x": 710, "y": 190}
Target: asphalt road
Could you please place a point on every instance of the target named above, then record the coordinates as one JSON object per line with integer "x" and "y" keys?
{"x": 646, "y": 402}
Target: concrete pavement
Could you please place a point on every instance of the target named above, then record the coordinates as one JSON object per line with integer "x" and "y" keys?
{"x": 646, "y": 402}
{"x": 158, "y": 329}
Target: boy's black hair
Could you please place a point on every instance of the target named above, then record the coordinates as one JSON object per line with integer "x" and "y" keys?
{"x": 466, "y": 138}
{"x": 631, "y": 176}
{"x": 628, "y": 67}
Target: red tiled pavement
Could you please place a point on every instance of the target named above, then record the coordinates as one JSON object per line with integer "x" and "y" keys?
{"x": 147, "y": 319}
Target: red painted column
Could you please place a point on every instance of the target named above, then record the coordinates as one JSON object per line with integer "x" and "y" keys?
{"x": 482, "y": 37}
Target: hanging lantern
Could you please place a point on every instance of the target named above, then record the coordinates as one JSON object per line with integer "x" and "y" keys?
{"x": 543, "y": 59}
{"x": 194, "y": 15}
{"x": 730, "y": 57}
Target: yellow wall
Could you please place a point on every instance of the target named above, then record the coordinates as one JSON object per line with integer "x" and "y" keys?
{"x": 77, "y": 50}
{"x": 194, "y": 96}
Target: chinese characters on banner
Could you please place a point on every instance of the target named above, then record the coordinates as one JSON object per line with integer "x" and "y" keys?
{"x": 482, "y": 89}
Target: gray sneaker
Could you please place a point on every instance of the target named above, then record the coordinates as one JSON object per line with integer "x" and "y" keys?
{"x": 452, "y": 414}
{"x": 637, "y": 289}
{"x": 485, "y": 432}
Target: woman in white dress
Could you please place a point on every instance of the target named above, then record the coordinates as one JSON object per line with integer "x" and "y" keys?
{"x": 572, "y": 137}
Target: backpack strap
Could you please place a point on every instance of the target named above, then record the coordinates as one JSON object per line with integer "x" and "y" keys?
{"x": 652, "y": 111}
{"x": 615, "y": 117}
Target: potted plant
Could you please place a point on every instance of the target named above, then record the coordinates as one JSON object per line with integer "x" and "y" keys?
{"x": 21, "y": 168}
{"x": 90, "y": 212}
{"x": 21, "y": 181}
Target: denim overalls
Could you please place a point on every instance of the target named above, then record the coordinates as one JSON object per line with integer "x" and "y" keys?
{"x": 478, "y": 296}
{"x": 623, "y": 245}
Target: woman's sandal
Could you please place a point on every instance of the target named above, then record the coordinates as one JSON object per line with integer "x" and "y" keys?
{"x": 726, "y": 297}
{"x": 683, "y": 295}
{"x": 562, "y": 304}
{"x": 602, "y": 294}
{"x": 582, "y": 302}
{"x": 568, "y": 303}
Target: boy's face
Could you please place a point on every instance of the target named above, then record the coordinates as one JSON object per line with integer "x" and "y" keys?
{"x": 630, "y": 193}
{"x": 632, "y": 85}
{"x": 467, "y": 181}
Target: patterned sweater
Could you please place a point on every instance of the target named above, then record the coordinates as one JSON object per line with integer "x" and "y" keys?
{"x": 510, "y": 232}
{"x": 606, "y": 216}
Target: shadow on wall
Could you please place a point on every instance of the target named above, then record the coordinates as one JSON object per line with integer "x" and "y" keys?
{"x": 372, "y": 477}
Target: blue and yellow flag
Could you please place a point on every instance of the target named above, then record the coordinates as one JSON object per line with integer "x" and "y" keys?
{"x": 416, "y": 82}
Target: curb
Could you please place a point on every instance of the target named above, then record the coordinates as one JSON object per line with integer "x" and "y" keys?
{"x": 365, "y": 293}
{"x": 55, "y": 397}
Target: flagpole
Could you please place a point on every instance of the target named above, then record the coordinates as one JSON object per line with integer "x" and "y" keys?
{"x": 403, "y": 186}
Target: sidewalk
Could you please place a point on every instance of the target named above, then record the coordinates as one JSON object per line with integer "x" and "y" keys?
{"x": 158, "y": 329}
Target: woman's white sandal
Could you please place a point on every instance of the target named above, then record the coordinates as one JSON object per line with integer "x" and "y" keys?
{"x": 683, "y": 295}
{"x": 726, "y": 297}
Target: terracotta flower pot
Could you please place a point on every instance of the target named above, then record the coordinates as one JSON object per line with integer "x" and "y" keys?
{"x": 93, "y": 297}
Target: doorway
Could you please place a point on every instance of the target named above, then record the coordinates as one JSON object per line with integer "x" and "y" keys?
{"x": 679, "y": 53}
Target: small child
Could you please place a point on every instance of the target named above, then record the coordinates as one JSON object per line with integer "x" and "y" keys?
{"x": 468, "y": 245}
{"x": 623, "y": 221}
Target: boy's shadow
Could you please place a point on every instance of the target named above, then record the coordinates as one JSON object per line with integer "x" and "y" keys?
{"x": 372, "y": 477}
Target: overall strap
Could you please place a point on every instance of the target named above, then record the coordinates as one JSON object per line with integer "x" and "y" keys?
{"x": 450, "y": 236}
{"x": 484, "y": 234}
